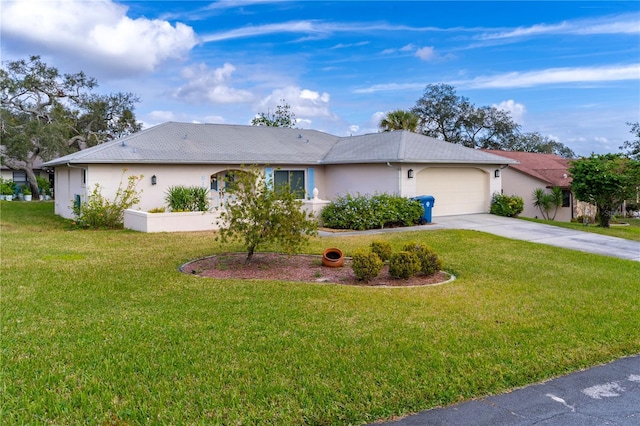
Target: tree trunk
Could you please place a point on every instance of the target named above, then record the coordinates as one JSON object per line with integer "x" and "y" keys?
{"x": 604, "y": 216}
{"x": 251, "y": 250}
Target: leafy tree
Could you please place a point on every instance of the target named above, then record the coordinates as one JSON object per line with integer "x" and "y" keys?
{"x": 546, "y": 202}
{"x": 259, "y": 214}
{"x": 45, "y": 114}
{"x": 535, "y": 142}
{"x": 442, "y": 112}
{"x": 282, "y": 117}
{"x": 445, "y": 115}
{"x": 633, "y": 146}
{"x": 487, "y": 127}
{"x": 606, "y": 181}
{"x": 400, "y": 120}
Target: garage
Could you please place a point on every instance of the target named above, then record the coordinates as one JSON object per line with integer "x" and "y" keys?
{"x": 456, "y": 190}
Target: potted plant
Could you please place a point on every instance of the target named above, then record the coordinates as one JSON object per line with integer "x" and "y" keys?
{"x": 7, "y": 190}
{"x": 26, "y": 191}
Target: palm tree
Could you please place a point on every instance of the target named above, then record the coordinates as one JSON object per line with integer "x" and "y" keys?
{"x": 400, "y": 120}
{"x": 547, "y": 201}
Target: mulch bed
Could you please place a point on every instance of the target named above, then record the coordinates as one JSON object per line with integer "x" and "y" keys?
{"x": 298, "y": 268}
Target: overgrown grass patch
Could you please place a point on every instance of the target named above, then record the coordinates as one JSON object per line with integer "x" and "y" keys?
{"x": 100, "y": 327}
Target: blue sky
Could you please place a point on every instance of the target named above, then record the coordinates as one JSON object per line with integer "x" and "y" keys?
{"x": 569, "y": 70}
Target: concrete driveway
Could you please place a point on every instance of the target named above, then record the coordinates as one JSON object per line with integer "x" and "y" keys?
{"x": 528, "y": 231}
{"x": 518, "y": 229}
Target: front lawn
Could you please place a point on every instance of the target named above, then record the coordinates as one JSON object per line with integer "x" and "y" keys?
{"x": 629, "y": 232}
{"x": 99, "y": 327}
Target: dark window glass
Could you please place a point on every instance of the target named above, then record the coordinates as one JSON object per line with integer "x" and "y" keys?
{"x": 293, "y": 178}
{"x": 566, "y": 198}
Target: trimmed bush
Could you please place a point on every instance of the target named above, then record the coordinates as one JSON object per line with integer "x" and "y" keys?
{"x": 404, "y": 264}
{"x": 382, "y": 249}
{"x": 366, "y": 265}
{"x": 504, "y": 205}
{"x": 361, "y": 212}
{"x": 430, "y": 262}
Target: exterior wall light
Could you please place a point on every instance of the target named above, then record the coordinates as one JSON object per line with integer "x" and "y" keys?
{"x": 410, "y": 173}
{"x": 496, "y": 173}
{"x": 154, "y": 180}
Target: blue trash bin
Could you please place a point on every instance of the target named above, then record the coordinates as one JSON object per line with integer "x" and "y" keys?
{"x": 427, "y": 201}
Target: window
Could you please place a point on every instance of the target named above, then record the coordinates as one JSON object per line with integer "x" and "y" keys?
{"x": 566, "y": 198}
{"x": 84, "y": 177}
{"x": 213, "y": 183}
{"x": 19, "y": 177}
{"x": 293, "y": 178}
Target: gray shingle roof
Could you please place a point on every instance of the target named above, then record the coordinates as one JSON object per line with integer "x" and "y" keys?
{"x": 190, "y": 143}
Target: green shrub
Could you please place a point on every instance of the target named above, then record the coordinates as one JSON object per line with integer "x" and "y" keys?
{"x": 366, "y": 265}
{"x": 430, "y": 262}
{"x": 382, "y": 248}
{"x": 361, "y": 212}
{"x": 505, "y": 205}
{"x": 44, "y": 186}
{"x": 187, "y": 198}
{"x": 100, "y": 212}
{"x": 7, "y": 186}
{"x": 404, "y": 264}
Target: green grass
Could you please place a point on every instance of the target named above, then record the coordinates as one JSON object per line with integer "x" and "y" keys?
{"x": 99, "y": 327}
{"x": 630, "y": 232}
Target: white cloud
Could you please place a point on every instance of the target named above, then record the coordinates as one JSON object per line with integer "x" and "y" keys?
{"x": 206, "y": 85}
{"x": 516, "y": 110}
{"x": 96, "y": 33}
{"x": 426, "y": 53}
{"x": 216, "y": 119}
{"x": 624, "y": 24}
{"x": 526, "y": 79}
{"x": 376, "y": 118}
{"x": 161, "y": 116}
{"x": 304, "y": 103}
{"x": 554, "y": 76}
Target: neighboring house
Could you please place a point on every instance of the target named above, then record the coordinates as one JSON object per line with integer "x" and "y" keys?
{"x": 539, "y": 171}
{"x": 20, "y": 176}
{"x": 207, "y": 155}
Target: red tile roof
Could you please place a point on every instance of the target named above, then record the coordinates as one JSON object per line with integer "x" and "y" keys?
{"x": 549, "y": 168}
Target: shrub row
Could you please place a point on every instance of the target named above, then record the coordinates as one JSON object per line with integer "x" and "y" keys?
{"x": 360, "y": 212}
{"x": 414, "y": 259}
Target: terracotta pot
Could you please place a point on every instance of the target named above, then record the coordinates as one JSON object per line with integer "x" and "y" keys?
{"x": 332, "y": 257}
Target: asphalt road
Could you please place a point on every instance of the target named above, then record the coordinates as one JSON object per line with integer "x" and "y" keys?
{"x": 603, "y": 395}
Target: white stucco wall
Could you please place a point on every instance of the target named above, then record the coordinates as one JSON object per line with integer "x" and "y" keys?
{"x": 518, "y": 183}
{"x": 363, "y": 179}
{"x": 68, "y": 181}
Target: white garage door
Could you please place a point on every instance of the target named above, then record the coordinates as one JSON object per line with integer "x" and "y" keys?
{"x": 456, "y": 190}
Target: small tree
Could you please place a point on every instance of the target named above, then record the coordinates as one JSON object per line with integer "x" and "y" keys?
{"x": 606, "y": 181}
{"x": 258, "y": 213}
{"x": 546, "y": 202}
{"x": 283, "y": 117}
